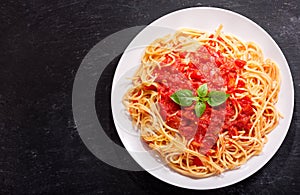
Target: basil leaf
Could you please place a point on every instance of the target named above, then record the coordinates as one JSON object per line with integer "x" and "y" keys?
{"x": 217, "y": 98}
{"x": 183, "y": 97}
{"x": 203, "y": 99}
{"x": 200, "y": 108}
{"x": 202, "y": 90}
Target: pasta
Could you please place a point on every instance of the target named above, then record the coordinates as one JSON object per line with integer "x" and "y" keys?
{"x": 197, "y": 139}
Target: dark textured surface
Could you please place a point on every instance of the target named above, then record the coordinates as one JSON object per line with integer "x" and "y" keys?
{"x": 42, "y": 44}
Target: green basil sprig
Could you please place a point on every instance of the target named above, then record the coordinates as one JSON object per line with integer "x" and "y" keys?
{"x": 185, "y": 97}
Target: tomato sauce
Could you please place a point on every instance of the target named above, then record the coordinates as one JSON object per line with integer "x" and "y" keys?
{"x": 191, "y": 70}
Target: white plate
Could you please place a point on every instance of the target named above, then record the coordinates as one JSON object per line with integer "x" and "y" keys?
{"x": 207, "y": 19}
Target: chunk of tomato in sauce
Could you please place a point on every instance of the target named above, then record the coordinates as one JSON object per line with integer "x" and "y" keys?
{"x": 197, "y": 162}
{"x": 240, "y": 63}
{"x": 232, "y": 131}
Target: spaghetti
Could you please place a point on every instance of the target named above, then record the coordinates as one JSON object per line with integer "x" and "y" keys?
{"x": 223, "y": 137}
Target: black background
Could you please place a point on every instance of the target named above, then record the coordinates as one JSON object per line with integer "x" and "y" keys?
{"x": 42, "y": 44}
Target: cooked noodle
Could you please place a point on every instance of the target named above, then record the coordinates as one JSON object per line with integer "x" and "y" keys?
{"x": 262, "y": 84}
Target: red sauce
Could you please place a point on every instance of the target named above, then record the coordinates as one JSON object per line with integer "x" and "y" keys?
{"x": 220, "y": 73}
